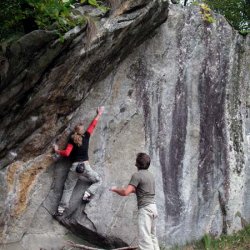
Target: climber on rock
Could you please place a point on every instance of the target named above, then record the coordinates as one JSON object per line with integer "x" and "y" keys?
{"x": 77, "y": 149}
{"x": 142, "y": 183}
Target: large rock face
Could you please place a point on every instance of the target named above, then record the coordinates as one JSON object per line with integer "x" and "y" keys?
{"x": 182, "y": 96}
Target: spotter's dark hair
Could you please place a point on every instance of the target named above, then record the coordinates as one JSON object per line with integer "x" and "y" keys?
{"x": 142, "y": 161}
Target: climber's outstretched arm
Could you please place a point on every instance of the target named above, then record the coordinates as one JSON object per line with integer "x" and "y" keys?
{"x": 94, "y": 122}
{"x": 66, "y": 152}
{"x": 124, "y": 191}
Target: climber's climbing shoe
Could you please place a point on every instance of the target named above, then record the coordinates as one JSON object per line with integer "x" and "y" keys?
{"x": 87, "y": 197}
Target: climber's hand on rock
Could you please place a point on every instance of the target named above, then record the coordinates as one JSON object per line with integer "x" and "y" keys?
{"x": 55, "y": 147}
{"x": 112, "y": 189}
{"x": 100, "y": 110}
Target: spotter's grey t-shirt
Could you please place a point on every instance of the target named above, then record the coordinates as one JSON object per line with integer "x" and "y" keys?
{"x": 144, "y": 183}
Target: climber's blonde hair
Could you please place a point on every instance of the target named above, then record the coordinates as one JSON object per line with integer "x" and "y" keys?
{"x": 78, "y": 134}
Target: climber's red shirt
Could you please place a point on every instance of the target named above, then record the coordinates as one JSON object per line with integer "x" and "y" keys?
{"x": 79, "y": 153}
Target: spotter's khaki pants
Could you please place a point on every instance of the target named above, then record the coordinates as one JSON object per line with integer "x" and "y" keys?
{"x": 147, "y": 228}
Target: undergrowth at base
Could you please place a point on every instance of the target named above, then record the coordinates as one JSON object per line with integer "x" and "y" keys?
{"x": 237, "y": 241}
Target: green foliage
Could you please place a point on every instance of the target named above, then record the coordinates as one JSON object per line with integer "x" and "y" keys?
{"x": 207, "y": 241}
{"x": 206, "y": 13}
{"x": 26, "y": 15}
{"x": 237, "y": 12}
{"x": 97, "y": 4}
{"x": 239, "y": 241}
{"x": 10, "y": 17}
{"x": 53, "y": 14}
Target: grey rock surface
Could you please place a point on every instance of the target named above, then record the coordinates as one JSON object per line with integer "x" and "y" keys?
{"x": 182, "y": 96}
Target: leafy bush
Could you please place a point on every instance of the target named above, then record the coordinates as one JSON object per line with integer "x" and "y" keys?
{"x": 97, "y": 4}
{"x": 237, "y": 12}
{"x": 239, "y": 241}
{"x": 53, "y": 14}
{"x": 27, "y": 15}
{"x": 11, "y": 15}
{"x": 206, "y": 13}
